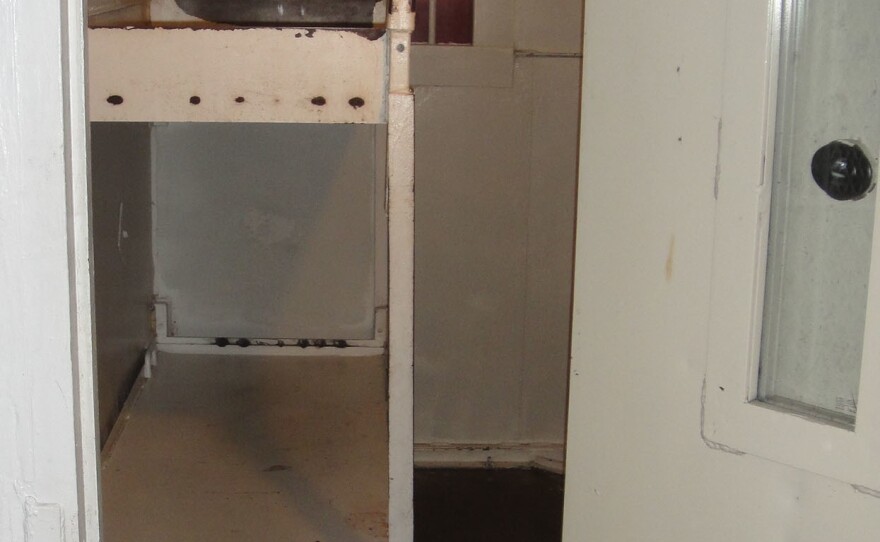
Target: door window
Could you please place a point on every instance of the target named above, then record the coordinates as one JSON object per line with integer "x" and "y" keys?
{"x": 793, "y": 369}
{"x": 822, "y": 208}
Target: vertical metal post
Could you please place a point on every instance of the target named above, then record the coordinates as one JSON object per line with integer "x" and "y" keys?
{"x": 401, "y": 23}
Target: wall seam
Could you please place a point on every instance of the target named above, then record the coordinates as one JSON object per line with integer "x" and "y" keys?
{"x": 528, "y": 89}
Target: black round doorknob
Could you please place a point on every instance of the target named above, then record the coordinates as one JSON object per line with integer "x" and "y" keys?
{"x": 843, "y": 171}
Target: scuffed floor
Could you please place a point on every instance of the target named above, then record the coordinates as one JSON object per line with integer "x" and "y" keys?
{"x": 227, "y": 448}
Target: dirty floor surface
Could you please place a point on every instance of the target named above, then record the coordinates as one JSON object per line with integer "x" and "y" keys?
{"x": 269, "y": 449}
{"x": 234, "y": 449}
{"x": 488, "y": 505}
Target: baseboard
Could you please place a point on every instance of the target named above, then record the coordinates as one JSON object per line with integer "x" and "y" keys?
{"x": 538, "y": 455}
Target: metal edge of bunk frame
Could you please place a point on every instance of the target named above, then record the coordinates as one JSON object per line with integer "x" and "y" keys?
{"x": 401, "y": 243}
{"x": 279, "y": 75}
{"x": 283, "y": 346}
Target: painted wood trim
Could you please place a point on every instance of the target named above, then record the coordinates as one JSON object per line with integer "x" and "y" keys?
{"x": 49, "y": 467}
{"x": 237, "y": 75}
{"x": 401, "y": 243}
{"x": 80, "y": 262}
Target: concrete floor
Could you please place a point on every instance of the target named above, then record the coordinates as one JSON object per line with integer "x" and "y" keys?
{"x": 230, "y": 448}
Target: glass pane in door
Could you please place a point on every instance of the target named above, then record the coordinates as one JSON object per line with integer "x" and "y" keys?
{"x": 822, "y": 210}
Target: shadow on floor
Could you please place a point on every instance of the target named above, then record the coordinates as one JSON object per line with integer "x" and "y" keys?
{"x": 471, "y": 505}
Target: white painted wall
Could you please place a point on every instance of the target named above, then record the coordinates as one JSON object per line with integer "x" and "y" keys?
{"x": 637, "y": 468}
{"x": 46, "y": 380}
{"x": 123, "y": 257}
{"x": 496, "y": 158}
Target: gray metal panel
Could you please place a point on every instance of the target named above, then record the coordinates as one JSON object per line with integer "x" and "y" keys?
{"x": 266, "y": 230}
{"x": 123, "y": 266}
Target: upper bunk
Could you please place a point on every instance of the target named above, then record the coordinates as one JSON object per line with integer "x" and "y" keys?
{"x": 292, "y": 61}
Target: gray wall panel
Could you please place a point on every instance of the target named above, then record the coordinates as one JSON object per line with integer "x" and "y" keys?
{"x": 266, "y": 230}
{"x": 123, "y": 260}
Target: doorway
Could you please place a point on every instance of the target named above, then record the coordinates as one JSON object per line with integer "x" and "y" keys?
{"x": 221, "y": 219}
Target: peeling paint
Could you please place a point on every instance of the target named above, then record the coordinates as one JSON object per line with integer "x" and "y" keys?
{"x": 711, "y": 444}
{"x": 44, "y": 522}
{"x": 370, "y": 34}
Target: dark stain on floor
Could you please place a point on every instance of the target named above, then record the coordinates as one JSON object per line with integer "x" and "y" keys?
{"x": 465, "y": 505}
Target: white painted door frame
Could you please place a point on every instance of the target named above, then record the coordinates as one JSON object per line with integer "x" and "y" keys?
{"x": 49, "y": 488}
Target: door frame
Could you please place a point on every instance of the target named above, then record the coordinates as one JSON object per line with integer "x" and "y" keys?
{"x": 49, "y": 375}
{"x": 84, "y": 359}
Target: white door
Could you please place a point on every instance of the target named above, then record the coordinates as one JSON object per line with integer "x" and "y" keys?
{"x": 725, "y": 377}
